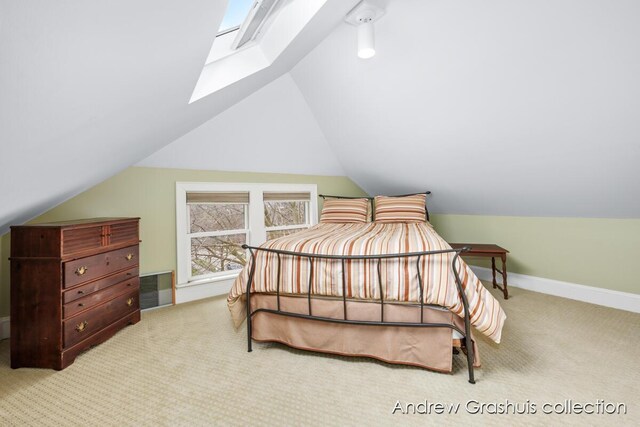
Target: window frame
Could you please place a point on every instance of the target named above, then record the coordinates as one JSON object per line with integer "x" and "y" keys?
{"x": 293, "y": 226}
{"x": 238, "y": 26}
{"x": 230, "y": 30}
{"x": 256, "y": 229}
{"x": 216, "y": 233}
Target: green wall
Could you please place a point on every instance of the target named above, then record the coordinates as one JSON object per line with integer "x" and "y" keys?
{"x": 589, "y": 251}
{"x": 149, "y": 193}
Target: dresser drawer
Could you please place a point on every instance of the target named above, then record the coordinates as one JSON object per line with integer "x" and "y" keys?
{"x": 88, "y": 322}
{"x": 93, "y": 267}
{"x": 81, "y": 291}
{"x": 91, "y": 300}
{"x": 123, "y": 233}
{"x": 82, "y": 239}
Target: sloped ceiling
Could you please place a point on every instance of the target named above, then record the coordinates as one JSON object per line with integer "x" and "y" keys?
{"x": 499, "y": 107}
{"x": 271, "y": 130}
{"x": 88, "y": 88}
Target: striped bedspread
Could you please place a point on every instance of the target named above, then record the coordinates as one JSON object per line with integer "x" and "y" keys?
{"x": 399, "y": 276}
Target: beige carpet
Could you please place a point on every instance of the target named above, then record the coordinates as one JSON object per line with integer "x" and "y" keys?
{"x": 185, "y": 365}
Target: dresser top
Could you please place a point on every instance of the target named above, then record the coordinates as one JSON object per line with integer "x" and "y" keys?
{"x": 84, "y": 221}
{"x": 73, "y": 239}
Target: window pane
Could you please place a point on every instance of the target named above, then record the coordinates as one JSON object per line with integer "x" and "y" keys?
{"x": 279, "y": 233}
{"x": 237, "y": 10}
{"x": 219, "y": 253}
{"x": 216, "y": 217}
{"x": 285, "y": 213}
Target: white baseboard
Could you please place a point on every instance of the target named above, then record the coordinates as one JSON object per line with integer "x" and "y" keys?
{"x": 4, "y": 328}
{"x": 205, "y": 290}
{"x": 600, "y": 296}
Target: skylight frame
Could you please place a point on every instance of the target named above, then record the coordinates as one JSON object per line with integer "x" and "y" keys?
{"x": 230, "y": 30}
{"x": 225, "y": 66}
{"x": 230, "y": 10}
{"x": 259, "y": 14}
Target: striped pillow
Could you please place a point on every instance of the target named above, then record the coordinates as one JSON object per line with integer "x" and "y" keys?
{"x": 345, "y": 210}
{"x": 401, "y": 209}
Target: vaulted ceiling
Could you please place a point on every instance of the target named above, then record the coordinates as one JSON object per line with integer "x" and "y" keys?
{"x": 499, "y": 107}
{"x": 88, "y": 88}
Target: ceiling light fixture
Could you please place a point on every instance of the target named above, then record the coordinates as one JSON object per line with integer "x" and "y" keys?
{"x": 366, "y": 39}
{"x": 363, "y": 16}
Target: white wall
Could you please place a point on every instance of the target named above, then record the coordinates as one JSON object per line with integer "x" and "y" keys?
{"x": 272, "y": 130}
{"x": 89, "y": 88}
{"x": 500, "y": 107}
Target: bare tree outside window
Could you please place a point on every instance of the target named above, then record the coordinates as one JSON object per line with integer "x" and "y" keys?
{"x": 215, "y": 254}
{"x": 285, "y": 213}
{"x": 217, "y": 230}
{"x": 217, "y": 216}
{"x": 282, "y": 217}
{"x": 222, "y": 249}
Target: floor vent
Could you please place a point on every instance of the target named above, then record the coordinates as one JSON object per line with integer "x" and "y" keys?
{"x": 157, "y": 290}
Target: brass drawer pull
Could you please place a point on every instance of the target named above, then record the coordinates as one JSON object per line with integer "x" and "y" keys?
{"x": 82, "y": 326}
{"x": 129, "y": 257}
{"x": 130, "y": 302}
{"x": 80, "y": 305}
{"x": 80, "y": 292}
{"x": 81, "y": 270}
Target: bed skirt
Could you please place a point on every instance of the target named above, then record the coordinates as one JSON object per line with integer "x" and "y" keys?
{"x": 430, "y": 348}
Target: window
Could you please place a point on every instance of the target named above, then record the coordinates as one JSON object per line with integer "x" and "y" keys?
{"x": 285, "y": 213}
{"x": 218, "y": 227}
{"x": 214, "y": 220}
{"x": 237, "y": 11}
{"x": 251, "y": 37}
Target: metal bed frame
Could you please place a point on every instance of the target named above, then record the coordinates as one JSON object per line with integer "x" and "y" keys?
{"x": 345, "y": 320}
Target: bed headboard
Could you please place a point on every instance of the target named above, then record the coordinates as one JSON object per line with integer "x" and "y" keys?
{"x": 371, "y": 199}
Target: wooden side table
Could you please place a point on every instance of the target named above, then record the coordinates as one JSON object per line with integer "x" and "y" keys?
{"x": 492, "y": 251}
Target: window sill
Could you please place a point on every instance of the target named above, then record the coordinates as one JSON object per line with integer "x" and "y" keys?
{"x": 208, "y": 280}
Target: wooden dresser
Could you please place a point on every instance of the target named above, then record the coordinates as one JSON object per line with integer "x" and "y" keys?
{"x": 73, "y": 285}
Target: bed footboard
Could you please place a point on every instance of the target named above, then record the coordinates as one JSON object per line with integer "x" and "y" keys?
{"x": 345, "y": 317}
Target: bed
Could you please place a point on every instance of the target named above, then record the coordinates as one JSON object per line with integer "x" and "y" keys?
{"x": 394, "y": 291}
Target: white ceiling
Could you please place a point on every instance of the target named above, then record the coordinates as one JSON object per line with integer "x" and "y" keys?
{"x": 271, "y": 130}
{"x": 500, "y": 107}
{"x": 88, "y": 88}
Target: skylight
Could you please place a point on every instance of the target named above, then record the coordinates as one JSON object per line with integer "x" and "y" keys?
{"x": 237, "y": 11}
{"x": 266, "y": 29}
